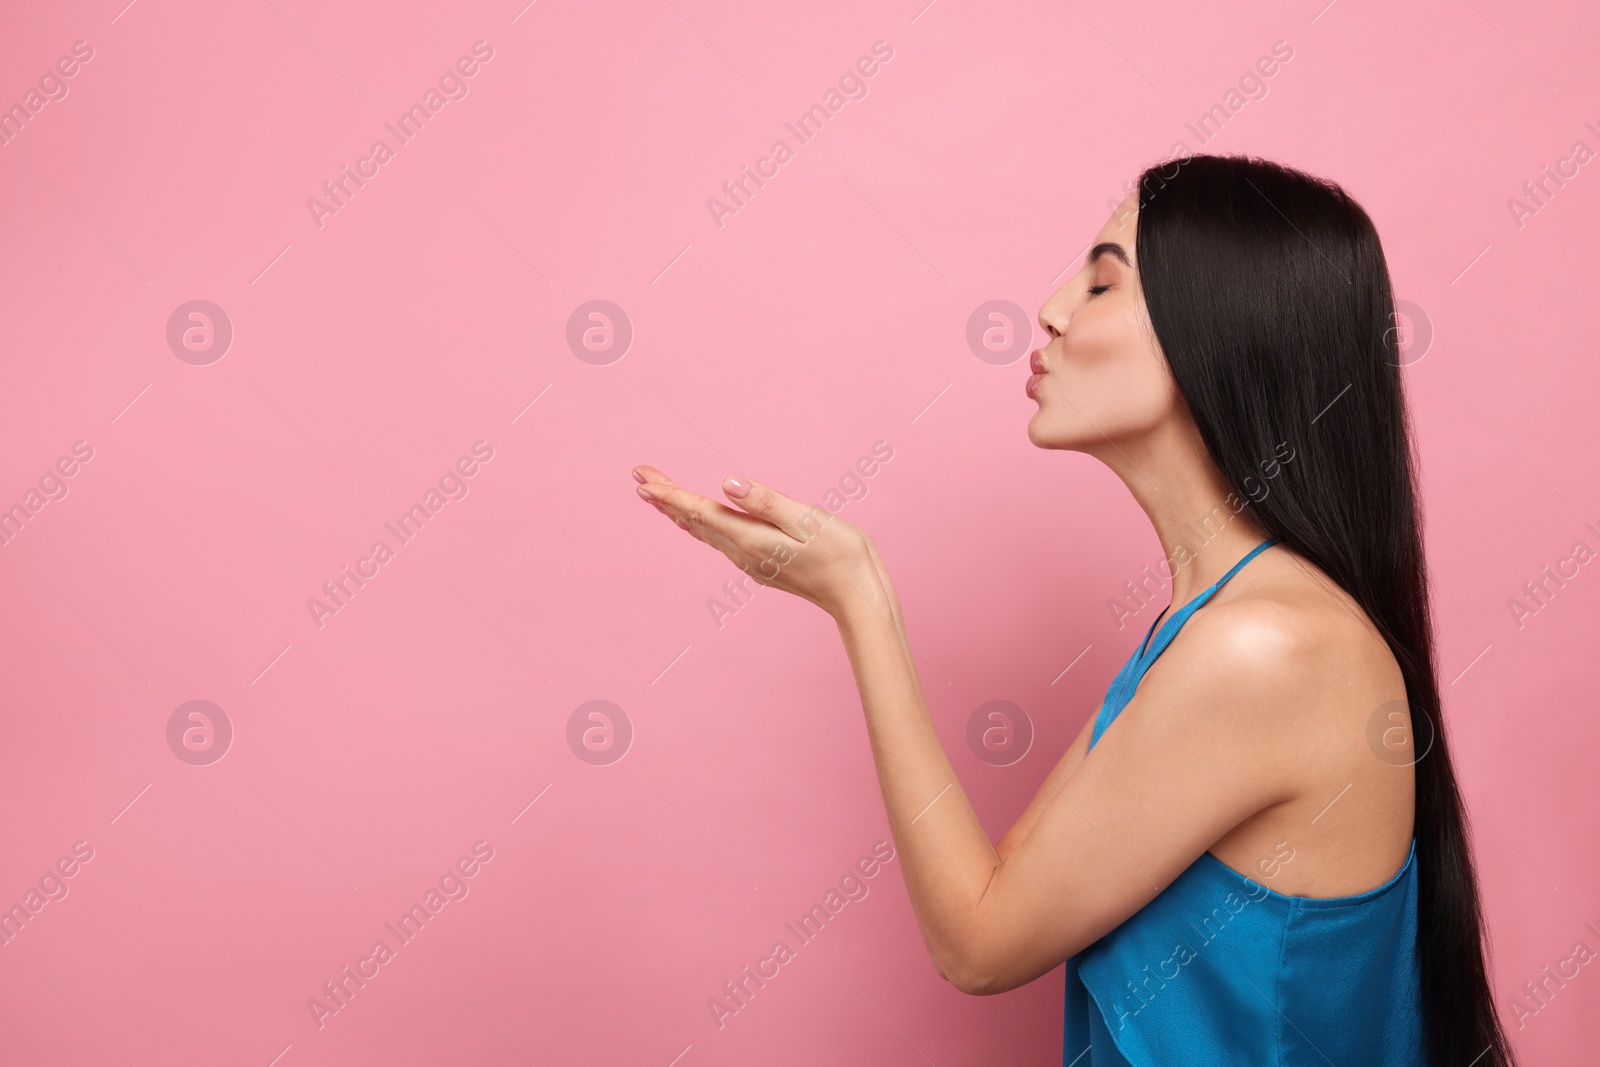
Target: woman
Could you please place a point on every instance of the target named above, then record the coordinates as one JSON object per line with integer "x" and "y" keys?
{"x": 1246, "y": 856}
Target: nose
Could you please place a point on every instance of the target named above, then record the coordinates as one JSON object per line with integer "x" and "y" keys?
{"x": 1054, "y": 315}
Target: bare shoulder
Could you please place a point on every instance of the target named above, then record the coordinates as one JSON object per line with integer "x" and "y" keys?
{"x": 1292, "y": 668}
{"x": 1284, "y": 630}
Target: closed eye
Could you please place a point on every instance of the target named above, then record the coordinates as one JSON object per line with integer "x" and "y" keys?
{"x": 1096, "y": 290}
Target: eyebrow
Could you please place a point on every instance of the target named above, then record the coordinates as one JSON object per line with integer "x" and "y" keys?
{"x": 1108, "y": 246}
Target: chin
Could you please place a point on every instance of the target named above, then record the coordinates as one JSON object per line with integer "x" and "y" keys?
{"x": 1039, "y": 432}
{"x": 1045, "y": 434}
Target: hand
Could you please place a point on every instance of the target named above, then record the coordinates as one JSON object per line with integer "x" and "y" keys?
{"x": 799, "y": 548}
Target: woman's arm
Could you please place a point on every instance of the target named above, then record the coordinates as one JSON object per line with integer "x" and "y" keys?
{"x": 946, "y": 858}
{"x": 881, "y": 576}
{"x": 1053, "y": 783}
{"x": 1184, "y": 764}
{"x": 1203, "y": 745}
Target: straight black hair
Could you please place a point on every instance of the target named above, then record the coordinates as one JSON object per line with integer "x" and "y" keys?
{"x": 1270, "y": 296}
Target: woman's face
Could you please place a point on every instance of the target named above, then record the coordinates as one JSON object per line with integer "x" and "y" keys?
{"x": 1101, "y": 378}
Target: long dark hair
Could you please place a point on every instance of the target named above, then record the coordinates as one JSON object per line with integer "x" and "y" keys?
{"x": 1270, "y": 297}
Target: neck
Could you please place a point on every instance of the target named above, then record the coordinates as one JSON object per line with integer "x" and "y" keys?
{"x": 1201, "y": 523}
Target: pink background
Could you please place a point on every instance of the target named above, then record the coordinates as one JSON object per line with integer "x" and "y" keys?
{"x": 370, "y": 353}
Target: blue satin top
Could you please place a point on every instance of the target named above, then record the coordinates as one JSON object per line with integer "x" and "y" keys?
{"x": 1218, "y": 969}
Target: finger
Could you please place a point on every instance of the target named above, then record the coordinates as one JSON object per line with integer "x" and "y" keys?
{"x": 645, "y": 474}
{"x": 712, "y": 522}
{"x": 662, "y": 508}
{"x": 799, "y": 521}
{"x": 669, "y": 514}
{"x": 652, "y": 501}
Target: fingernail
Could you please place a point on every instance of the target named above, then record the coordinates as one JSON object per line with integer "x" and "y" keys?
{"x": 637, "y": 476}
{"x": 642, "y": 491}
{"x": 736, "y": 488}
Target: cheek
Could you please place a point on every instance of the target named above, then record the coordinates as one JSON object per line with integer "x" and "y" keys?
{"x": 1115, "y": 378}
{"x": 1117, "y": 367}
{"x": 1104, "y": 342}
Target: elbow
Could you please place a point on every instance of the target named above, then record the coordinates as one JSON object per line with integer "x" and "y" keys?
{"x": 976, "y": 984}
{"x": 973, "y": 973}
{"x": 982, "y": 955}
{"x": 979, "y": 983}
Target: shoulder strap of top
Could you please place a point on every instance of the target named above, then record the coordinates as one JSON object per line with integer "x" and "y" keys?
{"x": 1175, "y": 623}
{"x": 1151, "y": 632}
{"x": 1127, "y": 679}
{"x": 1248, "y": 556}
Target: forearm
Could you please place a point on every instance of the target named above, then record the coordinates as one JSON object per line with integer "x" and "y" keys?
{"x": 946, "y": 857}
